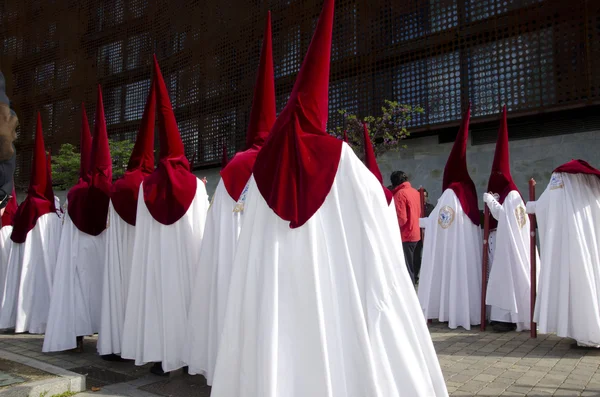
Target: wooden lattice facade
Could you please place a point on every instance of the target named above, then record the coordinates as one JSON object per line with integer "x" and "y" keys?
{"x": 537, "y": 56}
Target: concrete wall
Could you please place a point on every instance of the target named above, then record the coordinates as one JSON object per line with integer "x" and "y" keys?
{"x": 424, "y": 160}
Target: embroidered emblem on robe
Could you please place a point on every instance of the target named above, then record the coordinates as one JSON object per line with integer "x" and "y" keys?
{"x": 556, "y": 182}
{"x": 239, "y": 206}
{"x": 521, "y": 216}
{"x": 446, "y": 217}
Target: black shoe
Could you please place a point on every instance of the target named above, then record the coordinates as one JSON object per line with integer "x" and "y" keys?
{"x": 503, "y": 327}
{"x": 157, "y": 370}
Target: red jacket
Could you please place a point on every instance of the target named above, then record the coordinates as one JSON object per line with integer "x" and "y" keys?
{"x": 408, "y": 209}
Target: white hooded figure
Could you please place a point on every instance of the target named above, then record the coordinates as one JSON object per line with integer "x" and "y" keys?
{"x": 121, "y": 229}
{"x": 171, "y": 213}
{"x": 76, "y": 300}
{"x": 568, "y": 216}
{"x": 223, "y": 225}
{"x": 450, "y": 280}
{"x": 509, "y": 284}
{"x": 32, "y": 258}
{"x": 316, "y": 304}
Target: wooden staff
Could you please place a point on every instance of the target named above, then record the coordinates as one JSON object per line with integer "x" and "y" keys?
{"x": 532, "y": 253}
{"x": 484, "y": 264}
{"x": 422, "y": 194}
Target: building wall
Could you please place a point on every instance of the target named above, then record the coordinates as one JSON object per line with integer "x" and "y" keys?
{"x": 424, "y": 160}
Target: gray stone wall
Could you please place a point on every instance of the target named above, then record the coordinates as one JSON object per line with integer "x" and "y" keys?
{"x": 424, "y": 160}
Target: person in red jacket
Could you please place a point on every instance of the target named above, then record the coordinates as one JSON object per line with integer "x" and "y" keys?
{"x": 408, "y": 210}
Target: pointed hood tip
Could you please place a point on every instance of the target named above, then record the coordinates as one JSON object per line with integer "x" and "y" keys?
{"x": 171, "y": 145}
{"x": 264, "y": 106}
{"x": 101, "y": 160}
{"x": 142, "y": 155}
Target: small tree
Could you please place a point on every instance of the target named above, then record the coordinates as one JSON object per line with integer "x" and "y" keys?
{"x": 65, "y": 166}
{"x": 386, "y": 131}
{"x": 120, "y": 151}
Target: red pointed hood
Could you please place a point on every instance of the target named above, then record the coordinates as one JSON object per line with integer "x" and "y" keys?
{"x": 456, "y": 174}
{"x": 224, "y": 157}
{"x": 371, "y": 163}
{"x": 295, "y": 169}
{"x": 36, "y": 203}
{"x": 88, "y": 203}
{"x": 124, "y": 192}
{"x": 85, "y": 150}
{"x": 171, "y": 188}
{"x": 501, "y": 181}
{"x": 263, "y": 114}
{"x": 237, "y": 173}
{"x": 578, "y": 167}
{"x": 10, "y": 210}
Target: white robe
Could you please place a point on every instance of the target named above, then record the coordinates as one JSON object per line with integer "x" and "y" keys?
{"x": 211, "y": 285}
{"x": 509, "y": 284}
{"x": 325, "y": 310}
{"x": 29, "y": 274}
{"x": 568, "y": 300}
{"x": 450, "y": 280}
{"x": 164, "y": 261}
{"x": 5, "y": 247}
{"x": 117, "y": 269}
{"x": 75, "y": 305}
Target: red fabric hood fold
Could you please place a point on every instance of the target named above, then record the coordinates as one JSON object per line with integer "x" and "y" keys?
{"x": 237, "y": 172}
{"x": 88, "y": 202}
{"x": 170, "y": 189}
{"x": 578, "y": 167}
{"x": 295, "y": 169}
{"x": 40, "y": 198}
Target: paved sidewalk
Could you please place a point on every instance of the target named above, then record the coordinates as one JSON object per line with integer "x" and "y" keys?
{"x": 474, "y": 364}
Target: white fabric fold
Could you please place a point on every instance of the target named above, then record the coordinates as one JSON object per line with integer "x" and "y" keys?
{"x": 450, "y": 280}
{"x": 211, "y": 283}
{"x": 117, "y": 270}
{"x": 509, "y": 284}
{"x": 568, "y": 300}
{"x": 76, "y": 299}
{"x": 160, "y": 288}
{"x": 327, "y": 309}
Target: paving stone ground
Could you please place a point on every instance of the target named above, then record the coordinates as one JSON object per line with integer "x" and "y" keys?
{"x": 473, "y": 363}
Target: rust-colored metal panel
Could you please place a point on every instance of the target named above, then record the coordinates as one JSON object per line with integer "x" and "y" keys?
{"x": 533, "y": 55}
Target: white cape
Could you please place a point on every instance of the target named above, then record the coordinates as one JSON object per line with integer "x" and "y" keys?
{"x": 117, "y": 269}
{"x": 5, "y": 247}
{"x": 509, "y": 284}
{"x": 450, "y": 281}
{"x": 29, "y": 278}
{"x": 75, "y": 305}
{"x": 568, "y": 300}
{"x": 324, "y": 310}
{"x": 164, "y": 261}
{"x": 211, "y": 285}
